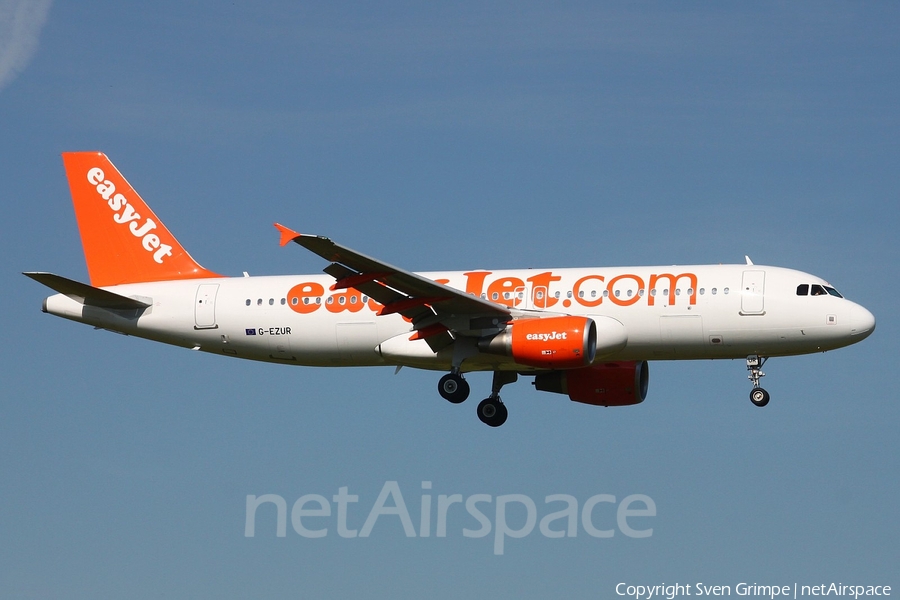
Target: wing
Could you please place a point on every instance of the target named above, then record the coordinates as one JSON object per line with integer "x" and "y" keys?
{"x": 437, "y": 311}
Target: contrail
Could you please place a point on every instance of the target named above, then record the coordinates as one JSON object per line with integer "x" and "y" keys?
{"x": 20, "y": 28}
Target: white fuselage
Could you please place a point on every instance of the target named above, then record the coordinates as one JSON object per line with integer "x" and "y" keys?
{"x": 676, "y": 312}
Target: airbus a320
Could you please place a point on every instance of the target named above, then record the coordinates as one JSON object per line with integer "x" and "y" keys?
{"x": 587, "y": 333}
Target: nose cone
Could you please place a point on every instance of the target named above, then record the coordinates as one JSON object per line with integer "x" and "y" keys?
{"x": 862, "y": 322}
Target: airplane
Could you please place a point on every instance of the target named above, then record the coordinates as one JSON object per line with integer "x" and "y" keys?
{"x": 587, "y": 333}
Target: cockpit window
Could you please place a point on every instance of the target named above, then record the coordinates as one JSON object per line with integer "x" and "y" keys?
{"x": 817, "y": 290}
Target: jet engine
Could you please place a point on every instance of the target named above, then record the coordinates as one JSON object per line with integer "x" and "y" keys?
{"x": 605, "y": 384}
{"x": 551, "y": 343}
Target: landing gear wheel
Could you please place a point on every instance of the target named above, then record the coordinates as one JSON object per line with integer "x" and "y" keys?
{"x": 454, "y": 388}
{"x": 759, "y": 397}
{"x": 492, "y": 412}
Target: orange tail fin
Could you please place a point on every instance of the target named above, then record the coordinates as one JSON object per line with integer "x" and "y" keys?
{"x": 124, "y": 242}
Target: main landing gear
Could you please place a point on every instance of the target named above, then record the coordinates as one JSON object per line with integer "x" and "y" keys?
{"x": 491, "y": 410}
{"x": 453, "y": 388}
{"x": 758, "y": 396}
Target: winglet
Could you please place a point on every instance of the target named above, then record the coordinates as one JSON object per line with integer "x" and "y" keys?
{"x": 287, "y": 235}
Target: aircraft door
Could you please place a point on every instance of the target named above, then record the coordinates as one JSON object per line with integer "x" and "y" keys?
{"x": 205, "y": 306}
{"x": 521, "y": 297}
{"x": 529, "y": 297}
{"x": 753, "y": 293}
{"x": 539, "y": 296}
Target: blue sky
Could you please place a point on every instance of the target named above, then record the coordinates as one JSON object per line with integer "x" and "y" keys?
{"x": 478, "y": 135}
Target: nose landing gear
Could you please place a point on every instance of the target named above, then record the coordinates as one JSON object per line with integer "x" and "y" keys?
{"x": 758, "y": 396}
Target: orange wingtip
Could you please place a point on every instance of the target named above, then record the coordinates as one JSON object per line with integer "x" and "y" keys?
{"x": 287, "y": 235}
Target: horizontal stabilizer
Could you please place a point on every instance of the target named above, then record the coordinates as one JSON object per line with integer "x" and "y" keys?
{"x": 85, "y": 294}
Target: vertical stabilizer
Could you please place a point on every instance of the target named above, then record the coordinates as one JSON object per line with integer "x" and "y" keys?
{"x": 124, "y": 242}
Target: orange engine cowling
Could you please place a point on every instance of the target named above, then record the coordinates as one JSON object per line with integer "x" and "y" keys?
{"x": 551, "y": 343}
{"x": 606, "y": 384}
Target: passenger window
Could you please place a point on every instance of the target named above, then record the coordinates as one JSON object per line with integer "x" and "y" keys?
{"x": 259, "y": 301}
{"x": 702, "y": 291}
{"x": 713, "y": 291}
{"x": 248, "y": 301}
{"x": 725, "y": 291}
{"x": 283, "y": 301}
{"x": 271, "y": 301}
{"x": 803, "y": 289}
